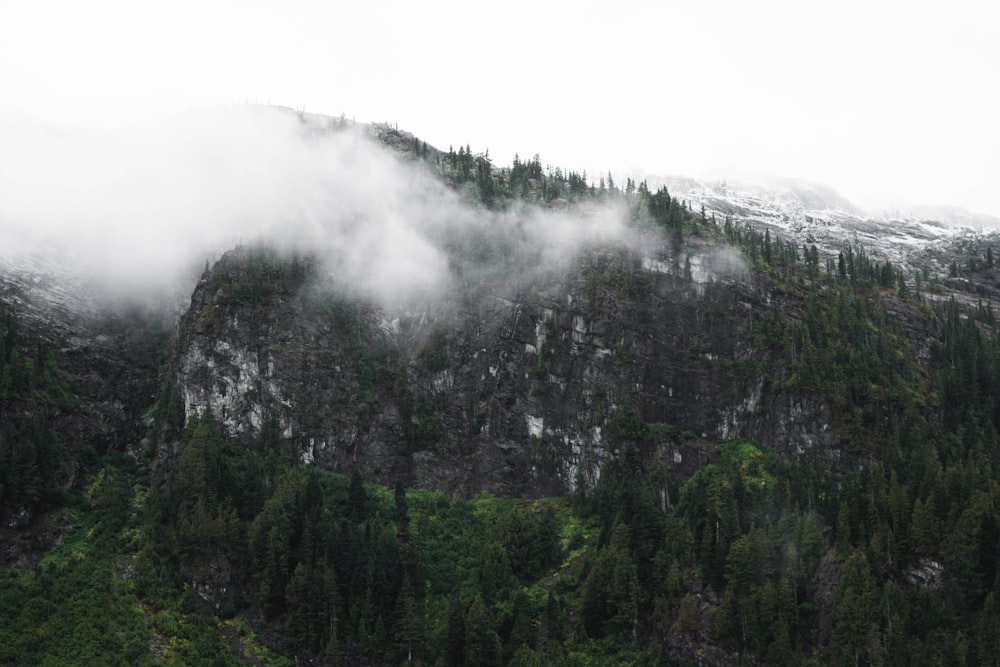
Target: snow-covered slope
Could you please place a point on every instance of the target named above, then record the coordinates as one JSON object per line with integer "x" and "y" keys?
{"x": 808, "y": 213}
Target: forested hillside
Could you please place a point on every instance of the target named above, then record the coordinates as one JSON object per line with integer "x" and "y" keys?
{"x": 861, "y": 529}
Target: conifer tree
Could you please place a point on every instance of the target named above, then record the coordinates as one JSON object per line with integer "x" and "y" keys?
{"x": 481, "y": 642}
{"x": 454, "y": 655}
{"x": 407, "y": 634}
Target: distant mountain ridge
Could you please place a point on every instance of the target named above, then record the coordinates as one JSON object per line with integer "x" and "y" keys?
{"x": 807, "y": 213}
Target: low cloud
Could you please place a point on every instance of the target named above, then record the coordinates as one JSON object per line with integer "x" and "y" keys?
{"x": 145, "y": 206}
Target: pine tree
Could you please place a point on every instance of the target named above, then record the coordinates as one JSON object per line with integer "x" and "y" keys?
{"x": 854, "y": 613}
{"x": 407, "y": 634}
{"x": 297, "y": 627}
{"x": 333, "y": 650}
{"x": 480, "y": 638}
{"x": 925, "y": 529}
{"x": 454, "y": 652}
{"x": 357, "y": 499}
{"x": 495, "y": 576}
{"x": 610, "y": 591}
{"x": 522, "y": 631}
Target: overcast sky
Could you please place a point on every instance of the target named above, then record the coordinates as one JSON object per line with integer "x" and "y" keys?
{"x": 888, "y": 101}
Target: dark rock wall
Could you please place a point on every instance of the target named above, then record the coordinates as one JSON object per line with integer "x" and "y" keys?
{"x": 509, "y": 390}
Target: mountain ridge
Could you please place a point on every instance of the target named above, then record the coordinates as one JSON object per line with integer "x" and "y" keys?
{"x": 658, "y": 434}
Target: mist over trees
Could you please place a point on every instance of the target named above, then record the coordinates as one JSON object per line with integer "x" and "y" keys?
{"x": 239, "y": 554}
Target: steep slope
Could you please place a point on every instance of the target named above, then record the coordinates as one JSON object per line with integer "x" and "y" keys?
{"x": 504, "y": 382}
{"x": 520, "y": 382}
{"x": 625, "y": 373}
{"x": 517, "y": 392}
{"x": 810, "y": 213}
{"x": 78, "y": 373}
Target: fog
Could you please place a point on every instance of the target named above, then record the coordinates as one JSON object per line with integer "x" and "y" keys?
{"x": 889, "y": 102}
{"x": 141, "y": 208}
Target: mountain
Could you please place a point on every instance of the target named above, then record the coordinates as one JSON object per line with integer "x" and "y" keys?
{"x": 450, "y": 412}
{"x": 812, "y": 213}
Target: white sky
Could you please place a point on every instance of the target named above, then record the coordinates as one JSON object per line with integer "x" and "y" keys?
{"x": 888, "y": 101}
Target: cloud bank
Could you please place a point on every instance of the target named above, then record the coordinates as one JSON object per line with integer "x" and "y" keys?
{"x": 144, "y": 206}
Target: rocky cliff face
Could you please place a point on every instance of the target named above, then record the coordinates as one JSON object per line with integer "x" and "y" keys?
{"x": 517, "y": 391}
{"x": 520, "y": 390}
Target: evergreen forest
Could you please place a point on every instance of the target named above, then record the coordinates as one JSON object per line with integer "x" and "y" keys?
{"x": 244, "y": 555}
